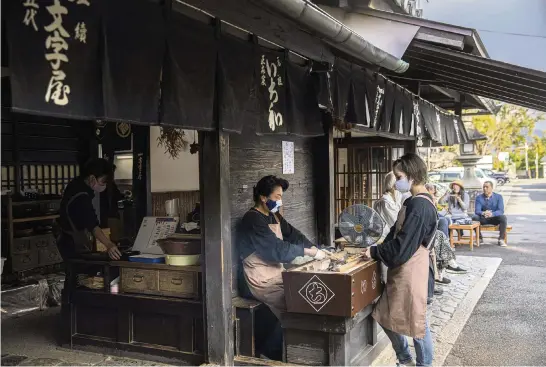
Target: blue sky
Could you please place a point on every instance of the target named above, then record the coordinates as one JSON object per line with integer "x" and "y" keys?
{"x": 494, "y": 20}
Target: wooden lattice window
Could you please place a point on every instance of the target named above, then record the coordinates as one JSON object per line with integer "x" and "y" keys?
{"x": 360, "y": 171}
{"x": 46, "y": 178}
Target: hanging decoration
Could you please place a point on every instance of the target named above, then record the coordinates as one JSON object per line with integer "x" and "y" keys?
{"x": 173, "y": 140}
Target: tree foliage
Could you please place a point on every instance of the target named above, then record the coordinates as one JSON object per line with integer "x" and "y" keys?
{"x": 506, "y": 130}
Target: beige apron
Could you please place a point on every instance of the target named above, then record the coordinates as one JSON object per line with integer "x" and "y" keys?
{"x": 264, "y": 279}
{"x": 402, "y": 307}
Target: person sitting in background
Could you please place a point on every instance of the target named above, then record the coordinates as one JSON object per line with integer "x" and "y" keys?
{"x": 457, "y": 200}
{"x": 389, "y": 205}
{"x": 490, "y": 211}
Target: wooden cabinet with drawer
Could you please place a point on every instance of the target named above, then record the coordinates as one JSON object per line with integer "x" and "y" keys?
{"x": 164, "y": 282}
{"x": 138, "y": 280}
{"x": 178, "y": 283}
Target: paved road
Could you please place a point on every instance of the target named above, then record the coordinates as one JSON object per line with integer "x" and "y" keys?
{"x": 508, "y": 325}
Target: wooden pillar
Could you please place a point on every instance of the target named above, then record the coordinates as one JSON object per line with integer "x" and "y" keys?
{"x": 142, "y": 187}
{"x": 214, "y": 181}
{"x": 324, "y": 178}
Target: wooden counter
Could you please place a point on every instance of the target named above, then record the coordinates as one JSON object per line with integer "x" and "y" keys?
{"x": 328, "y": 320}
{"x": 130, "y": 323}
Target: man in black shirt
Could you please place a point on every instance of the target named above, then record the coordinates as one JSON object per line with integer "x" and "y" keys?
{"x": 77, "y": 214}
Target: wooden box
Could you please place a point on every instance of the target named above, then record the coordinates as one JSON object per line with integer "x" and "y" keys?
{"x": 323, "y": 292}
{"x": 162, "y": 280}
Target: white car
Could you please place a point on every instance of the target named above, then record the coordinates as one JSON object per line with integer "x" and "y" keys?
{"x": 480, "y": 174}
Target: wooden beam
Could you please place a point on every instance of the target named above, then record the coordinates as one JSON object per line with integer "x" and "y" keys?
{"x": 456, "y": 96}
{"x": 440, "y": 38}
{"x": 214, "y": 181}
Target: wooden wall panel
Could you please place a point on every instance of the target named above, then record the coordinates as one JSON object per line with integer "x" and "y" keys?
{"x": 251, "y": 158}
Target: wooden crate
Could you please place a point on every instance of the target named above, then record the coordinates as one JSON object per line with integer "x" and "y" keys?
{"x": 342, "y": 293}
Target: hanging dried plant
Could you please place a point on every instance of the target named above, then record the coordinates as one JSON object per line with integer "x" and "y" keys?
{"x": 173, "y": 140}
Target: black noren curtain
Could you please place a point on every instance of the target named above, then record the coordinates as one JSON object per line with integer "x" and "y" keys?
{"x": 341, "y": 86}
{"x": 189, "y": 74}
{"x": 432, "y": 122}
{"x": 304, "y": 117}
{"x": 134, "y": 33}
{"x": 238, "y": 102}
{"x": 361, "y": 101}
{"x": 388, "y": 107}
{"x": 55, "y": 65}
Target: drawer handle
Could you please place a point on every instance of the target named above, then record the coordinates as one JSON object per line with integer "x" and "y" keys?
{"x": 26, "y": 259}
{"x": 176, "y": 281}
{"x": 42, "y": 244}
{"x": 137, "y": 278}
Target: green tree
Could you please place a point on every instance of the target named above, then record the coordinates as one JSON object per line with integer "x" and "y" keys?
{"x": 508, "y": 128}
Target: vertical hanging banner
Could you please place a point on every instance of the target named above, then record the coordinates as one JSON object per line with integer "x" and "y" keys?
{"x": 134, "y": 49}
{"x": 272, "y": 88}
{"x": 54, "y": 57}
{"x": 378, "y": 102}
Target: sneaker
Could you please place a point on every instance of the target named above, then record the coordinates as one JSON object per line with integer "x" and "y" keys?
{"x": 457, "y": 270}
{"x": 429, "y": 300}
{"x": 444, "y": 280}
{"x": 411, "y": 363}
{"x": 502, "y": 243}
{"x": 438, "y": 292}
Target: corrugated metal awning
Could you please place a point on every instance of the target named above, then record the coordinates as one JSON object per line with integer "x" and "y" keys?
{"x": 477, "y": 75}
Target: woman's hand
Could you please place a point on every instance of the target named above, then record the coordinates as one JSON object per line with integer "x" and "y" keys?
{"x": 367, "y": 254}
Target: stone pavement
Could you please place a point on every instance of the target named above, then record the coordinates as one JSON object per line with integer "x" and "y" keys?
{"x": 449, "y": 312}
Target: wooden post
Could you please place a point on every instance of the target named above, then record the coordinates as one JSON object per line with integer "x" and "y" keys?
{"x": 214, "y": 180}
{"x": 324, "y": 182}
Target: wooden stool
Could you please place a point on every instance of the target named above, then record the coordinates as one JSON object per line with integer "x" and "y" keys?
{"x": 475, "y": 226}
{"x": 245, "y": 310}
{"x": 493, "y": 228}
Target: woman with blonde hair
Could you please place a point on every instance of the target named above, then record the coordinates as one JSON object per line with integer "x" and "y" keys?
{"x": 390, "y": 203}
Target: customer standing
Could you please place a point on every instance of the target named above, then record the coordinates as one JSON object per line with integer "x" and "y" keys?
{"x": 401, "y": 309}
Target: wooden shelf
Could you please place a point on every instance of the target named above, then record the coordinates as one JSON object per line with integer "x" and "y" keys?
{"x": 35, "y": 219}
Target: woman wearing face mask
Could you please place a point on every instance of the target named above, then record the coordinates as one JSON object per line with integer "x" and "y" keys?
{"x": 401, "y": 309}
{"x": 266, "y": 241}
{"x": 77, "y": 216}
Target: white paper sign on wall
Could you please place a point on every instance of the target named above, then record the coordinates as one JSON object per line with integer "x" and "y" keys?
{"x": 288, "y": 157}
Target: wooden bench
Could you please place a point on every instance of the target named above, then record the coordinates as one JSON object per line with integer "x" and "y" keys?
{"x": 245, "y": 312}
{"x": 474, "y": 227}
{"x": 493, "y": 228}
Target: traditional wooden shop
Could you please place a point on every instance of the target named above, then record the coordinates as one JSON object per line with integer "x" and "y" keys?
{"x": 259, "y": 109}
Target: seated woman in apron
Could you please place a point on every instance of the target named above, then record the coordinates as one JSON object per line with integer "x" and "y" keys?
{"x": 266, "y": 241}
{"x": 401, "y": 309}
{"x": 77, "y": 217}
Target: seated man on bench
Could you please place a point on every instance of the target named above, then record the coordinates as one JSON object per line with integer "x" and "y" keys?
{"x": 490, "y": 211}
